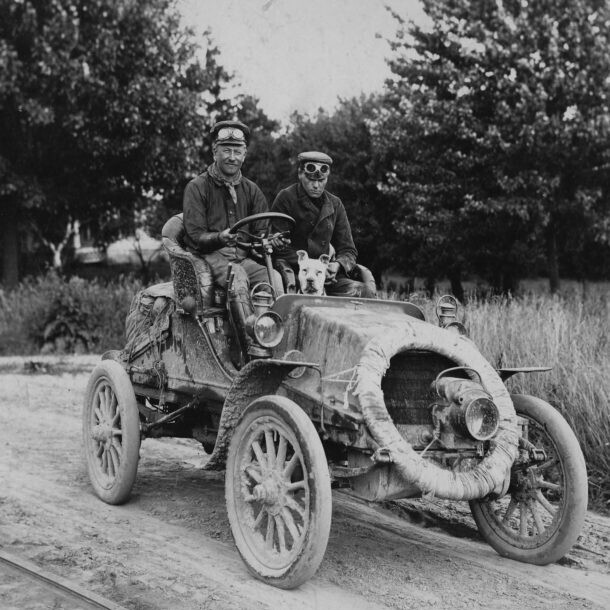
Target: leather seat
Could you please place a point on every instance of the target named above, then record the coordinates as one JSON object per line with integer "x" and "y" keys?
{"x": 191, "y": 275}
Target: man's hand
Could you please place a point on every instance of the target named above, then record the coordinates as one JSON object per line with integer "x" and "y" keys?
{"x": 278, "y": 241}
{"x": 226, "y": 238}
{"x": 331, "y": 271}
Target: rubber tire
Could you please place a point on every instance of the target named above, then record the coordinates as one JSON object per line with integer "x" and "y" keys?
{"x": 315, "y": 539}
{"x": 116, "y": 489}
{"x": 573, "y": 511}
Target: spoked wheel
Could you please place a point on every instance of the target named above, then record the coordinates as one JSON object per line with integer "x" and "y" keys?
{"x": 278, "y": 492}
{"x": 111, "y": 432}
{"x": 541, "y": 516}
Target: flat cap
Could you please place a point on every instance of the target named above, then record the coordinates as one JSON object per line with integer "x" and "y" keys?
{"x": 315, "y": 157}
{"x": 231, "y": 132}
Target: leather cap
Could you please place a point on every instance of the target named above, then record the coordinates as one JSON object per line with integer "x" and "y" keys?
{"x": 230, "y": 132}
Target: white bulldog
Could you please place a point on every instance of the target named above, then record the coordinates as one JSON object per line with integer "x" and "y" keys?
{"x": 312, "y": 273}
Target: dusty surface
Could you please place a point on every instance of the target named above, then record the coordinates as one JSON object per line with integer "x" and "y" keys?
{"x": 171, "y": 547}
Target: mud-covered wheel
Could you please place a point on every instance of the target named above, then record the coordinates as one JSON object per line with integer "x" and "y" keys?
{"x": 278, "y": 492}
{"x": 111, "y": 432}
{"x": 541, "y": 516}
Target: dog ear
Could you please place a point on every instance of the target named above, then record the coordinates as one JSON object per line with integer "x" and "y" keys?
{"x": 302, "y": 255}
{"x": 324, "y": 259}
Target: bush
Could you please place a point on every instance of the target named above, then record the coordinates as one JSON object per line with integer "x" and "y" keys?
{"x": 50, "y": 314}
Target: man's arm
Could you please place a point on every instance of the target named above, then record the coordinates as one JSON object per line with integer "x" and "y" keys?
{"x": 343, "y": 242}
{"x": 196, "y": 221}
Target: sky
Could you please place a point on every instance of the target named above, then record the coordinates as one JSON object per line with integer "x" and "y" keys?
{"x": 301, "y": 54}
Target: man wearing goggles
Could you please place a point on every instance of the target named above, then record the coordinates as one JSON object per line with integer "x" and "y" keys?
{"x": 321, "y": 226}
{"x": 214, "y": 201}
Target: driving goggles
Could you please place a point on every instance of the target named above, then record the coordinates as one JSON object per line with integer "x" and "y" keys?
{"x": 311, "y": 168}
{"x": 230, "y": 133}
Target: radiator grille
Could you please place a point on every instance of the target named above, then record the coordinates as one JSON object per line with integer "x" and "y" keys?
{"x": 406, "y": 385}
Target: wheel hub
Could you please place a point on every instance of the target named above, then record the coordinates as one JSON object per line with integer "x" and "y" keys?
{"x": 102, "y": 433}
{"x": 271, "y": 492}
{"x": 525, "y": 485}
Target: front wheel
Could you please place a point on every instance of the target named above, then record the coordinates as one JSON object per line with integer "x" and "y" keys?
{"x": 541, "y": 516}
{"x": 111, "y": 432}
{"x": 278, "y": 492}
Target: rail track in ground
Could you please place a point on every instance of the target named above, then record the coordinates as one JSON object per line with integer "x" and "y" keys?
{"x": 47, "y": 590}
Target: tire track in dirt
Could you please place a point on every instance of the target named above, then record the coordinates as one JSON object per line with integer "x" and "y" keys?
{"x": 169, "y": 557}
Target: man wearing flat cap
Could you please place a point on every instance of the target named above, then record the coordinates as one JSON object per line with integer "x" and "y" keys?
{"x": 321, "y": 222}
{"x": 214, "y": 201}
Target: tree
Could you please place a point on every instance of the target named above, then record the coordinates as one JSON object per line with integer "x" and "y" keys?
{"x": 496, "y": 129}
{"x": 103, "y": 105}
{"x": 263, "y": 163}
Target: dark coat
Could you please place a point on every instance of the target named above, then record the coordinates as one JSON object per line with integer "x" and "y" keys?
{"x": 209, "y": 209}
{"x": 316, "y": 227}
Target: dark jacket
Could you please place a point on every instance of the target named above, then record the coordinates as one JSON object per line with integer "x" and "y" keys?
{"x": 316, "y": 227}
{"x": 209, "y": 209}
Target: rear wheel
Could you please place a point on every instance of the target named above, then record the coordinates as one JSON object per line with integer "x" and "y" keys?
{"x": 111, "y": 432}
{"x": 278, "y": 492}
{"x": 541, "y": 516}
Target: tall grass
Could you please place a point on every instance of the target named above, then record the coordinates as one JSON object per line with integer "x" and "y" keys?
{"x": 570, "y": 334}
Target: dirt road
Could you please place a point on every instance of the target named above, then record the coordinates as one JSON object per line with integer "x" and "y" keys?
{"x": 171, "y": 546}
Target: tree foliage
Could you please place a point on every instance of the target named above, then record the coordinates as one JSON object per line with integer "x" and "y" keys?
{"x": 495, "y": 129}
{"x": 103, "y": 104}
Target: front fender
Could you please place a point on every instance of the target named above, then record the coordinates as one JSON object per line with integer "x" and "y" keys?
{"x": 257, "y": 378}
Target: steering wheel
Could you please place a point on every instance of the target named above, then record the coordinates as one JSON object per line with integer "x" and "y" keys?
{"x": 258, "y": 240}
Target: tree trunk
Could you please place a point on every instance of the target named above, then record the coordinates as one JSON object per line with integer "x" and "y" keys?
{"x": 430, "y": 286}
{"x": 510, "y": 284}
{"x": 10, "y": 246}
{"x": 455, "y": 278}
{"x": 552, "y": 262}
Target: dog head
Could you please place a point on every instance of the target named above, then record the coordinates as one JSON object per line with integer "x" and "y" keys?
{"x": 312, "y": 273}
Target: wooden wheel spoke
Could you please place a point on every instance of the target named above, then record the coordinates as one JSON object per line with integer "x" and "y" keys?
{"x": 296, "y": 486}
{"x": 294, "y": 506}
{"x": 109, "y": 461}
{"x": 512, "y": 506}
{"x": 537, "y": 520}
{"x": 114, "y": 460}
{"x": 117, "y": 448}
{"x": 254, "y": 473}
{"x": 105, "y": 461}
{"x": 259, "y": 518}
{"x": 522, "y": 519}
{"x": 270, "y": 453}
{"x": 290, "y": 466}
{"x": 100, "y": 450}
{"x": 281, "y": 453}
{"x": 545, "y": 503}
{"x": 290, "y": 524}
{"x": 260, "y": 456}
{"x": 107, "y": 404}
{"x": 549, "y": 485}
{"x": 270, "y": 531}
{"x": 99, "y": 417}
{"x": 281, "y": 533}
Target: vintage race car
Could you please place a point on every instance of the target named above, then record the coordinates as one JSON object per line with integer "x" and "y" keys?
{"x": 362, "y": 394}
